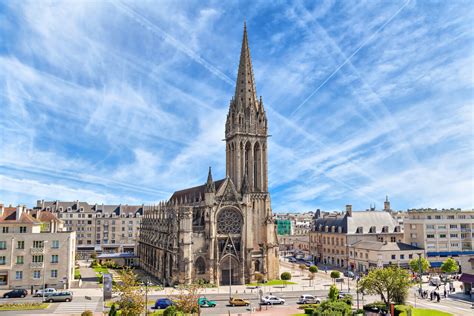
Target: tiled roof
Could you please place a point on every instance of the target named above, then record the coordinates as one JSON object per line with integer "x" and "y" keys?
{"x": 9, "y": 215}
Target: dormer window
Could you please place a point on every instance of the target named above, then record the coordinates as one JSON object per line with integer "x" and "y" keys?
{"x": 372, "y": 230}
{"x": 397, "y": 229}
{"x": 385, "y": 229}
{"x": 360, "y": 230}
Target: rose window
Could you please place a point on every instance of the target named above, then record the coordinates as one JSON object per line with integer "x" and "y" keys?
{"x": 229, "y": 221}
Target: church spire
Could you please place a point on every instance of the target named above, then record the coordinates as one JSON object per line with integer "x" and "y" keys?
{"x": 245, "y": 91}
{"x": 210, "y": 186}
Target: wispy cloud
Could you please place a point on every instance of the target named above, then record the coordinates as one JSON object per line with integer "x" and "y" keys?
{"x": 364, "y": 99}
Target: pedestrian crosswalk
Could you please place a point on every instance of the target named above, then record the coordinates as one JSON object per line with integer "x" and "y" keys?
{"x": 77, "y": 307}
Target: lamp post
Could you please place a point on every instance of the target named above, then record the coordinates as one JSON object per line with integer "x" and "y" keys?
{"x": 420, "y": 270}
{"x": 357, "y": 291}
{"x": 146, "y": 296}
{"x": 44, "y": 267}
{"x": 229, "y": 246}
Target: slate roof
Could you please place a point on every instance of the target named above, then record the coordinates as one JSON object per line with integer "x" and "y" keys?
{"x": 381, "y": 246}
{"x": 194, "y": 192}
{"x": 364, "y": 219}
{"x": 9, "y": 216}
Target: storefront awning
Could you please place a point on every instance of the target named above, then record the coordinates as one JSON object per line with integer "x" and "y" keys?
{"x": 467, "y": 278}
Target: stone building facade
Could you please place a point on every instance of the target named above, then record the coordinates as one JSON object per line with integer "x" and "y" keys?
{"x": 100, "y": 229}
{"x": 34, "y": 248}
{"x": 221, "y": 231}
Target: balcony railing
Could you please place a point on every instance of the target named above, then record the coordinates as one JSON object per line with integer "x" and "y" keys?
{"x": 35, "y": 265}
{"x": 37, "y": 250}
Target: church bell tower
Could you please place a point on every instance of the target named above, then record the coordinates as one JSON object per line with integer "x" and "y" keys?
{"x": 246, "y": 131}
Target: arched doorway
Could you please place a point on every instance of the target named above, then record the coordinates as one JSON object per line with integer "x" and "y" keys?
{"x": 229, "y": 266}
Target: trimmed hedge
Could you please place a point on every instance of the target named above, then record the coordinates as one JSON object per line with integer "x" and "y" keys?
{"x": 309, "y": 311}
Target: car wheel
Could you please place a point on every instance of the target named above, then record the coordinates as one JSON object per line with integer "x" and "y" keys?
{"x": 50, "y": 300}
{"x": 68, "y": 300}
{"x": 6, "y": 296}
{"x": 22, "y": 295}
{"x": 247, "y": 304}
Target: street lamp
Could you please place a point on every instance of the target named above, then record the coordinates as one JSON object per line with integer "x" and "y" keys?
{"x": 44, "y": 267}
{"x": 420, "y": 270}
{"x": 229, "y": 246}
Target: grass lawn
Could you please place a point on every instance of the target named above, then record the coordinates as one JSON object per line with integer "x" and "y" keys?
{"x": 428, "y": 312}
{"x": 77, "y": 274}
{"x": 101, "y": 269}
{"x": 271, "y": 283}
{"x": 23, "y": 306}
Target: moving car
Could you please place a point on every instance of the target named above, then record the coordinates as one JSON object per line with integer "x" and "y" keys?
{"x": 349, "y": 274}
{"x": 46, "y": 291}
{"x": 238, "y": 302}
{"x": 308, "y": 299}
{"x": 59, "y": 297}
{"x": 271, "y": 300}
{"x": 204, "y": 302}
{"x": 16, "y": 293}
{"x": 163, "y": 303}
{"x": 292, "y": 259}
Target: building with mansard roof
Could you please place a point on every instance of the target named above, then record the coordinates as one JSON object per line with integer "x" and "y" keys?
{"x": 221, "y": 232}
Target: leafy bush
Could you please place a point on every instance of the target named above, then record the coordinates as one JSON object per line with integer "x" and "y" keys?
{"x": 333, "y": 293}
{"x": 402, "y": 310}
{"x": 314, "y": 306}
{"x": 309, "y": 311}
{"x": 170, "y": 311}
{"x": 113, "y": 310}
{"x": 335, "y": 274}
{"x": 77, "y": 274}
{"x": 87, "y": 313}
{"x": 95, "y": 264}
{"x": 333, "y": 308}
{"x": 347, "y": 299}
{"x": 285, "y": 276}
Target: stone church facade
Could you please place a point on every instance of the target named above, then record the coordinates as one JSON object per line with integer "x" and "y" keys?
{"x": 221, "y": 231}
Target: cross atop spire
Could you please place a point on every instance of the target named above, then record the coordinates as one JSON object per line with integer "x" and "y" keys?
{"x": 245, "y": 92}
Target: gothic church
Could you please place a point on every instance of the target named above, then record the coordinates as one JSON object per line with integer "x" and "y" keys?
{"x": 222, "y": 231}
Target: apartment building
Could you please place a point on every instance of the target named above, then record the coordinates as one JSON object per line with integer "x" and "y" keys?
{"x": 334, "y": 233}
{"x": 34, "y": 250}
{"x": 100, "y": 228}
{"x": 365, "y": 255}
{"x": 294, "y": 223}
{"x": 442, "y": 233}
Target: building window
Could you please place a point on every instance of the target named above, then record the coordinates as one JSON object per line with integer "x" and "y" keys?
{"x": 437, "y": 217}
{"x": 430, "y": 236}
{"x": 453, "y": 235}
{"x": 394, "y": 257}
{"x": 454, "y": 244}
{"x": 3, "y": 260}
{"x": 54, "y": 273}
{"x": 54, "y": 258}
{"x": 413, "y": 235}
{"x": 3, "y": 245}
{"x": 20, "y": 244}
{"x": 5, "y": 230}
{"x": 38, "y": 244}
{"x": 441, "y": 226}
{"x": 393, "y": 239}
{"x": 429, "y": 226}
{"x": 22, "y": 229}
{"x": 20, "y": 259}
{"x": 19, "y": 275}
{"x": 450, "y": 216}
{"x": 442, "y": 235}
{"x": 453, "y": 226}
{"x": 462, "y": 216}
{"x": 37, "y": 258}
{"x": 410, "y": 256}
{"x": 55, "y": 244}
{"x": 36, "y": 274}
{"x": 402, "y": 257}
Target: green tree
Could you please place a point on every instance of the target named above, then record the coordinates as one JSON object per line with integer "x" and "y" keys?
{"x": 113, "y": 310}
{"x": 333, "y": 293}
{"x": 285, "y": 276}
{"x": 415, "y": 265}
{"x": 335, "y": 275}
{"x": 333, "y": 308}
{"x": 131, "y": 299}
{"x": 391, "y": 283}
{"x": 312, "y": 270}
{"x": 450, "y": 266}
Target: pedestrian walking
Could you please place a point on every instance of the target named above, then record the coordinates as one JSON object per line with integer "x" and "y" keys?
{"x": 445, "y": 293}
{"x": 431, "y": 295}
{"x": 438, "y": 297}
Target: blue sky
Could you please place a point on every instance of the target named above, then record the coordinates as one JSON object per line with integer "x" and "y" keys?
{"x": 125, "y": 101}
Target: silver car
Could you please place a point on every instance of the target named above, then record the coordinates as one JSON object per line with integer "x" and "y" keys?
{"x": 59, "y": 297}
{"x": 308, "y": 299}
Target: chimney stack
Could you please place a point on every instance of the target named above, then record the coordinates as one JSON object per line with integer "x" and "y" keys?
{"x": 349, "y": 210}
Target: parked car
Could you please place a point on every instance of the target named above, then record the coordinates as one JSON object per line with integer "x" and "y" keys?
{"x": 292, "y": 259}
{"x": 46, "y": 291}
{"x": 163, "y": 303}
{"x": 16, "y": 293}
{"x": 308, "y": 263}
{"x": 349, "y": 274}
{"x": 308, "y": 299}
{"x": 238, "y": 302}
{"x": 342, "y": 294}
{"x": 204, "y": 302}
{"x": 271, "y": 300}
{"x": 59, "y": 297}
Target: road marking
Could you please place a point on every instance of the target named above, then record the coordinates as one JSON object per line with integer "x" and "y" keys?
{"x": 438, "y": 306}
{"x": 70, "y": 307}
